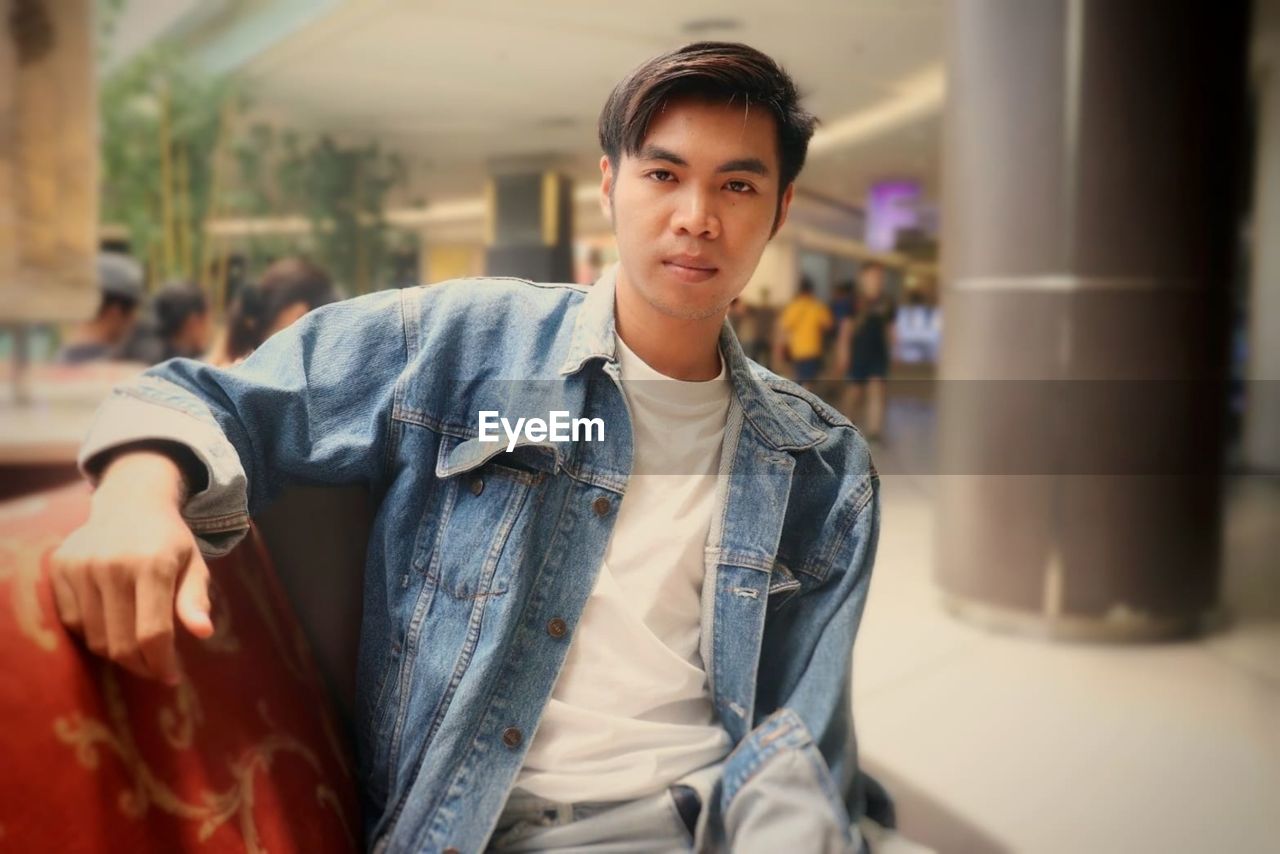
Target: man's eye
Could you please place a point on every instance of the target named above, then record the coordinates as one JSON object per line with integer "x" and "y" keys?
{"x": 740, "y": 187}
{"x": 661, "y": 175}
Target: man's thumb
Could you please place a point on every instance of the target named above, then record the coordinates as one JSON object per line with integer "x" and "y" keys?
{"x": 192, "y": 604}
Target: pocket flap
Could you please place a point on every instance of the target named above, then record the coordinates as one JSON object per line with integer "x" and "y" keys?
{"x": 461, "y": 456}
{"x": 783, "y": 584}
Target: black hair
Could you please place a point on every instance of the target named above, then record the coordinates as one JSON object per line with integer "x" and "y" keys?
{"x": 174, "y": 303}
{"x": 110, "y": 301}
{"x": 258, "y": 304}
{"x": 718, "y": 71}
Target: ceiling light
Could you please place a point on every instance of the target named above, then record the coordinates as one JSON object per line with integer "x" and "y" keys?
{"x": 705, "y": 26}
{"x": 917, "y": 96}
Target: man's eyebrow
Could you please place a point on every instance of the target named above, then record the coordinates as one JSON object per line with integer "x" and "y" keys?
{"x": 657, "y": 152}
{"x": 753, "y": 165}
{"x": 745, "y": 164}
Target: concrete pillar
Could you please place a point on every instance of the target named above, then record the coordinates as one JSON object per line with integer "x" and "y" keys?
{"x": 529, "y": 223}
{"x": 48, "y": 161}
{"x": 1088, "y": 213}
{"x": 1262, "y": 398}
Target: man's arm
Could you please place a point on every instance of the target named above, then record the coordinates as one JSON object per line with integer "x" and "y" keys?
{"x": 119, "y": 579}
{"x": 788, "y": 318}
{"x": 844, "y": 346}
{"x": 891, "y": 331}
{"x": 807, "y": 659}
{"x": 311, "y": 405}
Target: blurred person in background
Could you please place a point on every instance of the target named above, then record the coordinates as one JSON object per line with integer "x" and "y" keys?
{"x": 917, "y": 329}
{"x": 804, "y": 325}
{"x": 842, "y": 304}
{"x": 865, "y": 345}
{"x": 746, "y": 323}
{"x": 591, "y": 267}
{"x": 287, "y": 290}
{"x": 537, "y": 654}
{"x": 175, "y": 324}
{"x": 120, "y": 288}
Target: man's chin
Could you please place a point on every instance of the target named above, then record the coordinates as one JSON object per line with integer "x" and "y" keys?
{"x": 685, "y": 309}
{"x": 677, "y": 300}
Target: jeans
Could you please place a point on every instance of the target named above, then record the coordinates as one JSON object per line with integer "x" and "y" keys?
{"x": 662, "y": 821}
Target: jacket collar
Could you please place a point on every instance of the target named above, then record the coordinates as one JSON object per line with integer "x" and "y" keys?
{"x": 763, "y": 408}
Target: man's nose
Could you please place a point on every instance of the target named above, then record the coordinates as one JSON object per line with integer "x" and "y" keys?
{"x": 696, "y": 215}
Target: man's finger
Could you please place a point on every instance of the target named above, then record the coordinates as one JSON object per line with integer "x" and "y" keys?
{"x": 64, "y": 599}
{"x": 192, "y": 604}
{"x": 117, "y": 591}
{"x": 95, "y": 627}
{"x": 155, "y": 626}
{"x": 134, "y": 664}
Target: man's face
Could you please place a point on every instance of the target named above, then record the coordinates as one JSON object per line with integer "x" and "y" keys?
{"x": 872, "y": 283}
{"x": 694, "y": 208}
{"x": 118, "y": 321}
{"x": 195, "y": 334}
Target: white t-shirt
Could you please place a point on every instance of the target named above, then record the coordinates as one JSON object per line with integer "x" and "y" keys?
{"x": 631, "y": 712}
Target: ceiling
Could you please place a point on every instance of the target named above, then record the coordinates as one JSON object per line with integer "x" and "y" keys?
{"x": 455, "y": 84}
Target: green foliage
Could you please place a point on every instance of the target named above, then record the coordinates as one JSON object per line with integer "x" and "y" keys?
{"x": 108, "y": 17}
{"x": 342, "y": 192}
{"x": 160, "y": 124}
{"x": 164, "y": 123}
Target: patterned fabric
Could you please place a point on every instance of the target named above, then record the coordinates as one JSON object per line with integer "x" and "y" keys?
{"x": 244, "y": 755}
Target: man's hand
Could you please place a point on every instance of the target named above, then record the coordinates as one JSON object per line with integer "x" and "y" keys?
{"x": 119, "y": 579}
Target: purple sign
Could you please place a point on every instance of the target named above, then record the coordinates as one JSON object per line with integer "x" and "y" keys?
{"x": 891, "y": 206}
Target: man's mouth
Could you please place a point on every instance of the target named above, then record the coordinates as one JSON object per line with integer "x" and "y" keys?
{"x": 691, "y": 270}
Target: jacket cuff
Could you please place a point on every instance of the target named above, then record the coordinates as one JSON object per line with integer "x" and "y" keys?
{"x": 218, "y": 515}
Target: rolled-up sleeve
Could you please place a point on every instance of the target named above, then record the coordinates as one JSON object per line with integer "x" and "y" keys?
{"x": 312, "y": 405}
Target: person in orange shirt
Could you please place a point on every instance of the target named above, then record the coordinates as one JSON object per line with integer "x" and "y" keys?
{"x": 804, "y": 323}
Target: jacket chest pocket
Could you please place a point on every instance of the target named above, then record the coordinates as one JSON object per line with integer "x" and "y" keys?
{"x": 484, "y": 491}
{"x": 783, "y": 585}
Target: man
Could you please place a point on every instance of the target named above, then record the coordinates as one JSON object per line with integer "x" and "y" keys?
{"x": 639, "y": 640}
{"x": 866, "y": 347}
{"x": 842, "y": 305}
{"x": 176, "y": 326}
{"x": 805, "y": 322}
{"x": 120, "y": 288}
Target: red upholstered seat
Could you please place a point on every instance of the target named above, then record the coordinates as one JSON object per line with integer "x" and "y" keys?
{"x": 245, "y": 755}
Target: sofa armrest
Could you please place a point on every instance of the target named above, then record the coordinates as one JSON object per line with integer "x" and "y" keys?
{"x": 244, "y": 755}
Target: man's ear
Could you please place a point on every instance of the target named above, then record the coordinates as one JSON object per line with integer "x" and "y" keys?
{"x": 784, "y": 207}
{"x": 606, "y": 187}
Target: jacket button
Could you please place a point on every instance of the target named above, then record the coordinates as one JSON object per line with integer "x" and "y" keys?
{"x": 600, "y": 505}
{"x": 477, "y": 486}
{"x": 557, "y": 628}
{"x": 512, "y": 737}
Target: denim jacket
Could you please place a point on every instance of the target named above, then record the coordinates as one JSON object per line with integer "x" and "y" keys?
{"x": 477, "y": 548}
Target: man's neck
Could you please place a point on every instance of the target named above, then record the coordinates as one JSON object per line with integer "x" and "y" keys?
{"x": 681, "y": 349}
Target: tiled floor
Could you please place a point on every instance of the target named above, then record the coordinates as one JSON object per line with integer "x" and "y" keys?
{"x": 999, "y": 743}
